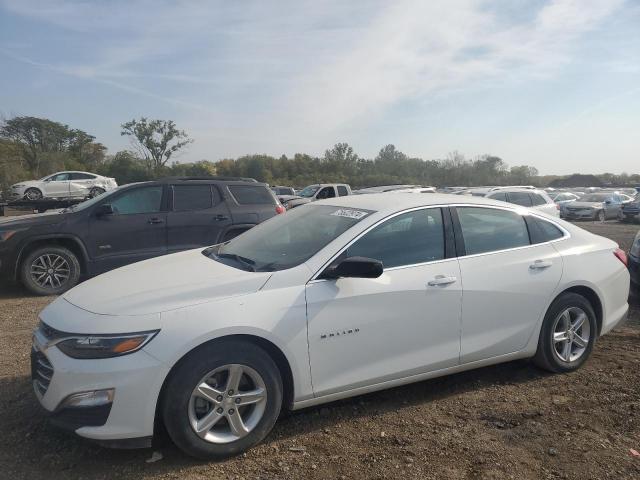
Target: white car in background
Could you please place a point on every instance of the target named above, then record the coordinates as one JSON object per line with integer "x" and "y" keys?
{"x": 68, "y": 184}
{"x": 336, "y": 298}
{"x": 526, "y": 197}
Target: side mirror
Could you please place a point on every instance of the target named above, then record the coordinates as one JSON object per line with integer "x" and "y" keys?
{"x": 607, "y": 202}
{"x": 356, "y": 267}
{"x": 104, "y": 209}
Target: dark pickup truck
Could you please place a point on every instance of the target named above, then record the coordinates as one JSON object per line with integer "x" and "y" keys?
{"x": 49, "y": 252}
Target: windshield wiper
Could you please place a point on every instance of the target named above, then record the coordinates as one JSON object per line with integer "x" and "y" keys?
{"x": 247, "y": 262}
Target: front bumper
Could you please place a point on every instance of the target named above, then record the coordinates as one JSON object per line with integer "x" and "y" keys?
{"x": 136, "y": 380}
{"x": 579, "y": 214}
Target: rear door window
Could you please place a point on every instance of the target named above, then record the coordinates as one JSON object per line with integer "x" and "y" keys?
{"x": 342, "y": 191}
{"x": 252, "y": 195}
{"x": 537, "y": 199}
{"x": 326, "y": 192}
{"x": 191, "y": 197}
{"x": 542, "y": 231}
{"x": 499, "y": 196}
{"x": 489, "y": 229}
{"x": 82, "y": 176}
{"x": 520, "y": 198}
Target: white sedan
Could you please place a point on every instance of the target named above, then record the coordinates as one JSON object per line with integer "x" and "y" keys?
{"x": 63, "y": 185}
{"x": 336, "y": 298}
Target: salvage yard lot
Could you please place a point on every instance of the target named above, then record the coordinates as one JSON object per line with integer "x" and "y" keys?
{"x": 506, "y": 421}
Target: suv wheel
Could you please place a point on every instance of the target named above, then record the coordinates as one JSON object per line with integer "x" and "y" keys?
{"x": 222, "y": 399}
{"x": 50, "y": 270}
{"x": 32, "y": 194}
{"x": 568, "y": 334}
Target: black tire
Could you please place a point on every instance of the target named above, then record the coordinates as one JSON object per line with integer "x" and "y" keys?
{"x": 32, "y": 194}
{"x": 600, "y": 216}
{"x": 95, "y": 191}
{"x": 546, "y": 356}
{"x": 55, "y": 286}
{"x": 190, "y": 371}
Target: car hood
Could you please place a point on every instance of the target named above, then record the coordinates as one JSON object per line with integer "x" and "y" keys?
{"x": 50, "y": 217}
{"x": 578, "y": 204}
{"x": 164, "y": 283}
{"x": 29, "y": 183}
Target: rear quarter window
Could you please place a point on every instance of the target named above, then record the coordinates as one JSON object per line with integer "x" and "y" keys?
{"x": 537, "y": 199}
{"x": 252, "y": 195}
{"x": 520, "y": 198}
{"x": 542, "y": 231}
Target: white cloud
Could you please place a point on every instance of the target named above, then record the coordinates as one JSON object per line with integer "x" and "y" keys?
{"x": 295, "y": 74}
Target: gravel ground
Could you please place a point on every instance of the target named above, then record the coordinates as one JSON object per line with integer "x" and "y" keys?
{"x": 507, "y": 421}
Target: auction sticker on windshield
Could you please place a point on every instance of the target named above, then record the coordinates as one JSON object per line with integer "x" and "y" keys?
{"x": 346, "y": 212}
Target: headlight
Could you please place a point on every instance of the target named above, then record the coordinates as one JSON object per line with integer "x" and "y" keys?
{"x": 635, "y": 248}
{"x": 104, "y": 346}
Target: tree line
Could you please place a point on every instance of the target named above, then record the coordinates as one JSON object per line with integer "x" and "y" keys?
{"x": 32, "y": 147}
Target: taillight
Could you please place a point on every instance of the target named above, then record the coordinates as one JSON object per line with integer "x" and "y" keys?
{"x": 622, "y": 256}
{"x": 280, "y": 209}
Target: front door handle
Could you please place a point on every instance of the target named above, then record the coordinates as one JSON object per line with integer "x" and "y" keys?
{"x": 441, "y": 280}
{"x": 220, "y": 217}
{"x": 155, "y": 220}
{"x": 540, "y": 264}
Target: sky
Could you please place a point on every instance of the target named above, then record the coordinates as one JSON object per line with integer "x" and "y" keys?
{"x": 553, "y": 84}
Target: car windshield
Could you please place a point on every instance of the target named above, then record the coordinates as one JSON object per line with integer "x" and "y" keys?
{"x": 595, "y": 197}
{"x": 309, "y": 191}
{"x": 286, "y": 241}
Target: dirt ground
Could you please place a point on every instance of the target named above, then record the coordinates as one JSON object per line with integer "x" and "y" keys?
{"x": 510, "y": 421}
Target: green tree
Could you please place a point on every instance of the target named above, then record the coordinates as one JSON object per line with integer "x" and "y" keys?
{"x": 155, "y": 140}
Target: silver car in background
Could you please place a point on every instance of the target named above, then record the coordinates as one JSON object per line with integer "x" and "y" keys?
{"x": 596, "y": 206}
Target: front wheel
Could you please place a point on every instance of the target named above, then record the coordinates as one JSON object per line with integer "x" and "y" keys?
{"x": 568, "y": 334}
{"x": 600, "y": 216}
{"x": 50, "y": 270}
{"x": 222, "y": 399}
{"x": 33, "y": 194}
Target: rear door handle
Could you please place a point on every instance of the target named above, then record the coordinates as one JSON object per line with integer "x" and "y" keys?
{"x": 540, "y": 264}
{"x": 441, "y": 280}
{"x": 153, "y": 221}
{"x": 220, "y": 217}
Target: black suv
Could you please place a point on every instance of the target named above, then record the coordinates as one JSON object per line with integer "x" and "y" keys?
{"x": 49, "y": 252}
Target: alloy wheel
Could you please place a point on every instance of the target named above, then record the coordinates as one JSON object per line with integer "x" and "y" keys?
{"x": 50, "y": 270}
{"x": 227, "y": 403}
{"x": 571, "y": 334}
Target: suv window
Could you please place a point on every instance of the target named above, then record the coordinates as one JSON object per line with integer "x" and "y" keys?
{"x": 342, "y": 191}
{"x": 537, "y": 199}
{"x": 252, "y": 195}
{"x": 326, "y": 192}
{"x": 520, "y": 198}
{"x": 499, "y": 196}
{"x": 407, "y": 239}
{"x": 82, "y": 176}
{"x": 191, "y": 197}
{"x": 138, "y": 200}
{"x": 542, "y": 231}
{"x": 490, "y": 229}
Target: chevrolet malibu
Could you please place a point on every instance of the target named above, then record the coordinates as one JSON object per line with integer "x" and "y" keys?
{"x": 334, "y": 299}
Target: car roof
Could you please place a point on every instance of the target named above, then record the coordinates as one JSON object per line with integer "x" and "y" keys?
{"x": 383, "y": 202}
{"x": 524, "y": 190}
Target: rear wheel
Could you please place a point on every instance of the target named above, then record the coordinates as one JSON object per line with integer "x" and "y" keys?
{"x": 600, "y": 216}
{"x": 95, "y": 191}
{"x": 222, "y": 399}
{"x": 50, "y": 270}
{"x": 32, "y": 194}
{"x": 568, "y": 334}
